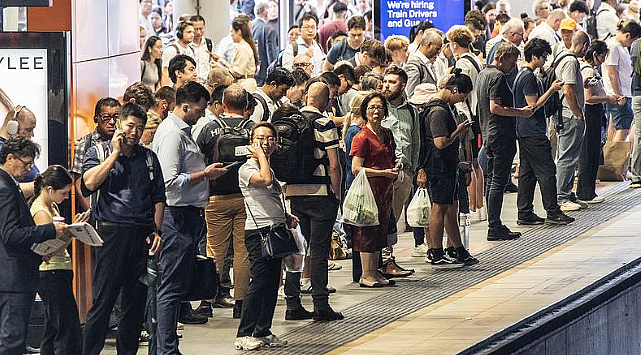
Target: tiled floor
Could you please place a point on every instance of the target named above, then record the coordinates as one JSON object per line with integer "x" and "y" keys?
{"x": 466, "y": 317}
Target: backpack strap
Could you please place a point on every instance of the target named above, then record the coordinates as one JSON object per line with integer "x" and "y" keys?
{"x": 243, "y": 124}
{"x": 221, "y": 123}
{"x": 474, "y": 63}
{"x": 295, "y": 49}
{"x": 263, "y": 103}
{"x": 150, "y": 163}
{"x": 342, "y": 50}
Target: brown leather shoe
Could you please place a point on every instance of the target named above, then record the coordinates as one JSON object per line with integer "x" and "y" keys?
{"x": 391, "y": 270}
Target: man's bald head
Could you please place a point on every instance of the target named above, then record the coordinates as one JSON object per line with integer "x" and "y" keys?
{"x": 555, "y": 17}
{"x": 580, "y": 43}
{"x": 304, "y": 62}
{"x": 318, "y": 96}
{"x": 25, "y": 118}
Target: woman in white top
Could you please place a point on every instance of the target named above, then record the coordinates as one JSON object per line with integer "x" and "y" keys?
{"x": 62, "y": 334}
{"x": 151, "y": 63}
{"x": 243, "y": 66}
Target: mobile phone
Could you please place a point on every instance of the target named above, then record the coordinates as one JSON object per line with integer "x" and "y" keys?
{"x": 593, "y": 81}
{"x": 468, "y": 123}
{"x": 230, "y": 165}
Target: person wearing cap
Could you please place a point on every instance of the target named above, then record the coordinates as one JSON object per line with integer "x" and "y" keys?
{"x": 567, "y": 29}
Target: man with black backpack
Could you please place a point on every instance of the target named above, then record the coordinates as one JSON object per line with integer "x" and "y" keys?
{"x": 535, "y": 151}
{"x": 314, "y": 198}
{"x": 268, "y": 97}
{"x": 225, "y": 213}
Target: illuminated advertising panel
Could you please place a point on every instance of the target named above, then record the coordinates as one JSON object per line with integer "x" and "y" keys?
{"x": 395, "y": 17}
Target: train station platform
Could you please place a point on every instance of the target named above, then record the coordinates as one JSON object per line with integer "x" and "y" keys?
{"x": 448, "y": 311}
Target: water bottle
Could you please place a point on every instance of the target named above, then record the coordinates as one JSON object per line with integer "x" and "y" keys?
{"x": 466, "y": 237}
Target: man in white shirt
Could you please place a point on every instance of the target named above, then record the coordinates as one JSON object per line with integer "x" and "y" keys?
{"x": 607, "y": 19}
{"x": 268, "y": 97}
{"x": 143, "y": 16}
{"x": 201, "y": 46}
{"x": 419, "y": 66}
{"x": 305, "y": 45}
{"x": 184, "y": 35}
{"x": 547, "y": 30}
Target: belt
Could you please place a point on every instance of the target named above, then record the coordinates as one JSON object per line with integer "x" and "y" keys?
{"x": 107, "y": 224}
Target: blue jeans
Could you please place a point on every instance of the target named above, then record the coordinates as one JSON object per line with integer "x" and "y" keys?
{"x": 568, "y": 152}
{"x": 181, "y": 228}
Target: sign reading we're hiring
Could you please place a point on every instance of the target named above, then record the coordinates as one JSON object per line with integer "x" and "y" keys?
{"x": 26, "y": 3}
{"x": 395, "y": 17}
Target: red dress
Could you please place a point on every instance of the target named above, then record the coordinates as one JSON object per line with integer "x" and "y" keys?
{"x": 377, "y": 153}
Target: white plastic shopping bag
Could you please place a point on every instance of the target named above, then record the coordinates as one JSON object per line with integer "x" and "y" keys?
{"x": 418, "y": 211}
{"x": 296, "y": 262}
{"x": 359, "y": 208}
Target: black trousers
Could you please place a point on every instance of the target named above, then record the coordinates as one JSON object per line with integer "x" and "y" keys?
{"x": 590, "y": 153}
{"x": 500, "y": 155}
{"x": 317, "y": 215}
{"x": 536, "y": 165}
{"x": 62, "y": 334}
{"x": 119, "y": 264}
{"x": 262, "y": 292}
{"x": 15, "y": 309}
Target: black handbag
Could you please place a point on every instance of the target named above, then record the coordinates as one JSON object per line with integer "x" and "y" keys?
{"x": 204, "y": 280}
{"x": 278, "y": 241}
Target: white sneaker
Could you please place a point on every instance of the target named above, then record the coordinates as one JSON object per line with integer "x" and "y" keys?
{"x": 273, "y": 341}
{"x": 419, "y": 251}
{"x": 570, "y": 206}
{"x": 475, "y": 216}
{"x": 483, "y": 213}
{"x": 247, "y": 343}
{"x": 597, "y": 199}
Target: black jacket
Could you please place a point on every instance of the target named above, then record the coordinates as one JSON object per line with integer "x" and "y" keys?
{"x": 18, "y": 232}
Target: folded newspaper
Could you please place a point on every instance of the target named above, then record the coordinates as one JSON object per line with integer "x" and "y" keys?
{"x": 84, "y": 232}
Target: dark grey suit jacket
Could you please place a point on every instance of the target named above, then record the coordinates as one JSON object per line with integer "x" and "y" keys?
{"x": 267, "y": 40}
{"x": 18, "y": 232}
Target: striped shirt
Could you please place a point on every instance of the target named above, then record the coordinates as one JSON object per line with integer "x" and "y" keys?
{"x": 326, "y": 136}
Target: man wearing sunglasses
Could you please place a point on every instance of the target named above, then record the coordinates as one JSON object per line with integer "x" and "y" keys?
{"x": 105, "y": 116}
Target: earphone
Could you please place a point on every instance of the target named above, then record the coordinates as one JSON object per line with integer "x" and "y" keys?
{"x": 185, "y": 109}
{"x": 13, "y": 125}
{"x": 179, "y": 33}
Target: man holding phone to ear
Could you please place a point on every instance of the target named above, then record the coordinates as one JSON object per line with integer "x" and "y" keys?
{"x": 20, "y": 120}
{"x": 534, "y": 146}
{"x": 225, "y": 213}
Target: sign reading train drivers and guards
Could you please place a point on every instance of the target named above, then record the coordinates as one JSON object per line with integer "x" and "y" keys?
{"x": 395, "y": 17}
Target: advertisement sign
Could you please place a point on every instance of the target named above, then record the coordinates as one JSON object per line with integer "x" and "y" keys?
{"x": 24, "y": 82}
{"x": 396, "y": 17}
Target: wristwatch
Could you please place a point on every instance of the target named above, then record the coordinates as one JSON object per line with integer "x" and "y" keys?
{"x": 159, "y": 232}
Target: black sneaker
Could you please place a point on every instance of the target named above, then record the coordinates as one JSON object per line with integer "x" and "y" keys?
{"x": 238, "y": 307}
{"x": 327, "y": 315}
{"x": 451, "y": 253}
{"x": 531, "y": 220}
{"x": 559, "y": 219}
{"x": 502, "y": 234}
{"x": 192, "y": 318}
{"x": 464, "y": 257}
{"x": 298, "y": 314}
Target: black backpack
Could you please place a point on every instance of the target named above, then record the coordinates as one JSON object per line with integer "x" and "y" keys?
{"x": 231, "y": 142}
{"x": 279, "y": 59}
{"x": 590, "y": 25}
{"x": 554, "y": 104}
{"x": 294, "y": 162}
{"x": 263, "y": 104}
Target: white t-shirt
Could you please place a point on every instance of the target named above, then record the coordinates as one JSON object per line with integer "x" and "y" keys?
{"x": 618, "y": 56}
{"x": 202, "y": 58}
{"x": 545, "y": 32}
{"x": 469, "y": 69}
{"x": 606, "y": 21}
{"x": 317, "y": 59}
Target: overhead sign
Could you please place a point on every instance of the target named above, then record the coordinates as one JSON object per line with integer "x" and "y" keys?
{"x": 396, "y": 17}
{"x": 26, "y": 3}
{"x": 24, "y": 82}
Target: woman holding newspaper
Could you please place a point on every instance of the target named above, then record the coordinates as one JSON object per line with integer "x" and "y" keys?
{"x": 62, "y": 333}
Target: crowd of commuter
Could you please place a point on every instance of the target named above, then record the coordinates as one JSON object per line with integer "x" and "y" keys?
{"x": 221, "y": 141}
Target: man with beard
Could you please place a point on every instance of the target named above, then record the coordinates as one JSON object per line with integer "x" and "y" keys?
{"x": 403, "y": 122}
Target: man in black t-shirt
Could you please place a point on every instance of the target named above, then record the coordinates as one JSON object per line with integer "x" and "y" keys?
{"x": 536, "y": 164}
{"x": 497, "y": 117}
{"x": 225, "y": 213}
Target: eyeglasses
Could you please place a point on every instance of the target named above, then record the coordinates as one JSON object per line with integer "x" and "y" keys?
{"x": 107, "y": 118}
{"x": 269, "y": 139}
{"x": 375, "y": 108}
{"x": 27, "y": 165}
{"x": 302, "y": 65}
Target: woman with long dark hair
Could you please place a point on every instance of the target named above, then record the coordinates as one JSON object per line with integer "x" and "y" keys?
{"x": 243, "y": 66}
{"x": 151, "y": 63}
{"x": 62, "y": 334}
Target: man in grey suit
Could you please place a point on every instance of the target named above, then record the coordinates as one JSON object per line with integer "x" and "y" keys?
{"x": 18, "y": 233}
{"x": 267, "y": 40}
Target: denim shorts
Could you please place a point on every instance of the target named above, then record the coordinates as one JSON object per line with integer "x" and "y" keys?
{"x": 621, "y": 115}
